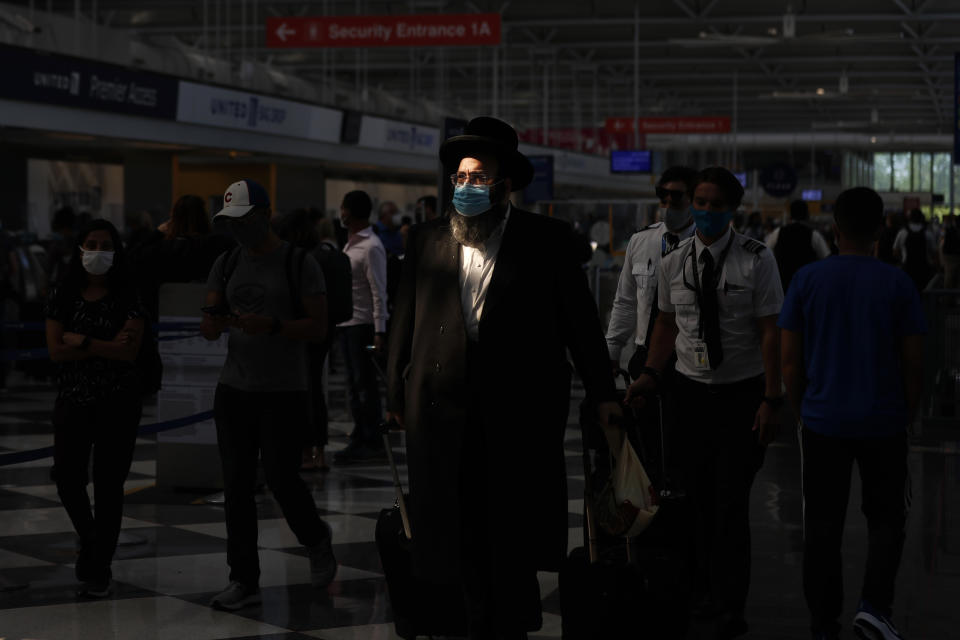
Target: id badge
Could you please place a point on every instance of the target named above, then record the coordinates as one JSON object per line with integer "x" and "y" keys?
{"x": 701, "y": 359}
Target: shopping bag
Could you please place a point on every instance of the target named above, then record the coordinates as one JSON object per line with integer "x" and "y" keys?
{"x": 627, "y": 503}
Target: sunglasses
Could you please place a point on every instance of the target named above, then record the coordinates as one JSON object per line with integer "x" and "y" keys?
{"x": 673, "y": 194}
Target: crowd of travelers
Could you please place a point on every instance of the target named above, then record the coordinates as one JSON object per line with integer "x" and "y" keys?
{"x": 476, "y": 313}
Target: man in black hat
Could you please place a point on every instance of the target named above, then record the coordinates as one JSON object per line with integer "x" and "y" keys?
{"x": 490, "y": 301}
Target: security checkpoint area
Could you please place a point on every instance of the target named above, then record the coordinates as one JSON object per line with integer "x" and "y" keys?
{"x": 153, "y": 131}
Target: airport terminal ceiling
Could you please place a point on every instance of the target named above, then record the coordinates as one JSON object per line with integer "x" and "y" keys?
{"x": 851, "y": 66}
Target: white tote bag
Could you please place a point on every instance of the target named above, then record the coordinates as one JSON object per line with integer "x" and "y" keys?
{"x": 628, "y": 503}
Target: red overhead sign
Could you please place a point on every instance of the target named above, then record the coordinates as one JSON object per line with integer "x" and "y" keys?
{"x": 438, "y": 30}
{"x": 681, "y": 124}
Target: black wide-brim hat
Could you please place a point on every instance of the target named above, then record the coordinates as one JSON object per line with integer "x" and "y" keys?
{"x": 489, "y": 136}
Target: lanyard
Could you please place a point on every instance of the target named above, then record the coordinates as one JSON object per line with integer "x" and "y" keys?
{"x": 696, "y": 277}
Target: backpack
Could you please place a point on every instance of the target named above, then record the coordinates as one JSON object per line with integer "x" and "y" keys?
{"x": 916, "y": 246}
{"x": 794, "y": 249}
{"x": 293, "y": 282}
{"x": 951, "y": 241}
{"x": 339, "y": 279}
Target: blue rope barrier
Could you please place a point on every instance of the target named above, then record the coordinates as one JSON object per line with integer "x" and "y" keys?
{"x": 16, "y": 457}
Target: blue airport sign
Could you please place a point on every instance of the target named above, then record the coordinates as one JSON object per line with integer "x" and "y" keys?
{"x": 65, "y": 81}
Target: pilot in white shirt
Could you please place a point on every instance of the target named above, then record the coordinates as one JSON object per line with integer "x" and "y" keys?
{"x": 635, "y": 304}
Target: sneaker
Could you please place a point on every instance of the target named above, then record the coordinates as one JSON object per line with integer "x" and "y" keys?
{"x": 871, "y": 624}
{"x": 236, "y": 596}
{"x": 94, "y": 590}
{"x": 323, "y": 564}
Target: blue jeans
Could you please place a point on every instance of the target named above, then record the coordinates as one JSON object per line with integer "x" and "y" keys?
{"x": 364, "y": 391}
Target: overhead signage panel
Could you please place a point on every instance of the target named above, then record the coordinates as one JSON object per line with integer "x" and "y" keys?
{"x": 437, "y": 30}
{"x": 85, "y": 84}
{"x": 393, "y": 135}
{"x": 219, "y": 107}
{"x": 670, "y": 124}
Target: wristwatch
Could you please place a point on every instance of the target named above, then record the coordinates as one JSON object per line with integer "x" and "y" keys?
{"x": 653, "y": 373}
{"x": 85, "y": 343}
{"x": 775, "y": 402}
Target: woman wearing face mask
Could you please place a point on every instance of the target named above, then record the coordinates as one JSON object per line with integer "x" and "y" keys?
{"x": 94, "y": 328}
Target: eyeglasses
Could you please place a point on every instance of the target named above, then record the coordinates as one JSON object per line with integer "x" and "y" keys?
{"x": 473, "y": 177}
{"x": 673, "y": 194}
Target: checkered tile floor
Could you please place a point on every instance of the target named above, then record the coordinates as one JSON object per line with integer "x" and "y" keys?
{"x": 172, "y": 554}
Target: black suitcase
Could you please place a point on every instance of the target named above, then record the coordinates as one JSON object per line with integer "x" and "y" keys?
{"x": 419, "y": 607}
{"x": 621, "y": 588}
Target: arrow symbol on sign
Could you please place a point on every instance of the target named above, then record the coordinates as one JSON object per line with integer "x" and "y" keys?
{"x": 283, "y": 31}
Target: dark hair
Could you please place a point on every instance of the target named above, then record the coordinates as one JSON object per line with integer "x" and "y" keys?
{"x": 298, "y": 228}
{"x": 63, "y": 217}
{"x": 858, "y": 213}
{"x": 799, "y": 210}
{"x": 429, "y": 201}
{"x": 729, "y": 185}
{"x": 119, "y": 277}
{"x": 359, "y": 205}
{"x": 917, "y": 217}
{"x": 188, "y": 217}
{"x": 679, "y": 173}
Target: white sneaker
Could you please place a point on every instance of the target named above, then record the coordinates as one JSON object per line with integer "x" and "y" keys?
{"x": 870, "y": 624}
{"x": 236, "y": 596}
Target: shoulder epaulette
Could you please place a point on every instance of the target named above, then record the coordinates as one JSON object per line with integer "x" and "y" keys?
{"x": 680, "y": 245}
{"x": 754, "y": 246}
{"x": 652, "y": 225}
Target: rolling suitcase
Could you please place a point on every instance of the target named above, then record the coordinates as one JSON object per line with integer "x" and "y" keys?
{"x": 419, "y": 607}
{"x": 622, "y": 588}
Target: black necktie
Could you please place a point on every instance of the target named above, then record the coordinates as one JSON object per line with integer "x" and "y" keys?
{"x": 710, "y": 310}
{"x": 672, "y": 240}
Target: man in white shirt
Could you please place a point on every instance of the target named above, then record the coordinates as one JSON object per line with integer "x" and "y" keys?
{"x": 796, "y": 244}
{"x": 635, "y": 305}
{"x": 368, "y": 326}
{"x": 719, "y": 297}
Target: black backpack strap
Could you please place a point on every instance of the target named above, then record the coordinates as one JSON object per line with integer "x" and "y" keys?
{"x": 295, "y": 281}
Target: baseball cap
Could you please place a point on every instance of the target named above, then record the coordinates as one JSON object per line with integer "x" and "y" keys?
{"x": 241, "y": 197}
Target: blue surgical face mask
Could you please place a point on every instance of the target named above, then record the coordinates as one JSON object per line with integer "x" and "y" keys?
{"x": 472, "y": 199}
{"x": 709, "y": 223}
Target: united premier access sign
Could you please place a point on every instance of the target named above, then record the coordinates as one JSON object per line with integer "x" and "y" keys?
{"x": 440, "y": 30}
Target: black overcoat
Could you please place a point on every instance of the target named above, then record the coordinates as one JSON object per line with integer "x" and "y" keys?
{"x": 538, "y": 306}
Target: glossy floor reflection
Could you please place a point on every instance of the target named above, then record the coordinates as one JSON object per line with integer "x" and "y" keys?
{"x": 172, "y": 556}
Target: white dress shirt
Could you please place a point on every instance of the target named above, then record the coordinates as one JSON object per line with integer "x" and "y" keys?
{"x": 476, "y": 270}
{"x": 637, "y": 287}
{"x": 368, "y": 262}
{"x": 819, "y": 245}
{"x": 748, "y": 288}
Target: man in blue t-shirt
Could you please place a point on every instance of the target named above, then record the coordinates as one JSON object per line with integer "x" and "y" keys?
{"x": 851, "y": 339}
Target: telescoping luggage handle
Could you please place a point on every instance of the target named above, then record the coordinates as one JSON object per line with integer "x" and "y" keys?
{"x": 385, "y": 434}
{"x": 398, "y": 488}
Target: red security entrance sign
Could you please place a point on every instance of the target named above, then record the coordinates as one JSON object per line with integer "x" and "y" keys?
{"x": 678, "y": 124}
{"x": 442, "y": 30}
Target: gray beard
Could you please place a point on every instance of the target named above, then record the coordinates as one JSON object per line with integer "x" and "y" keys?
{"x": 474, "y": 231}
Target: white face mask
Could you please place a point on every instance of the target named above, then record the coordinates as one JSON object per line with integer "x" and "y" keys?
{"x": 675, "y": 219}
{"x": 97, "y": 263}
{"x": 915, "y": 226}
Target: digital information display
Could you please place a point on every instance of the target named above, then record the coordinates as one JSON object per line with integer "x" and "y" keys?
{"x": 630, "y": 161}
{"x": 812, "y": 195}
